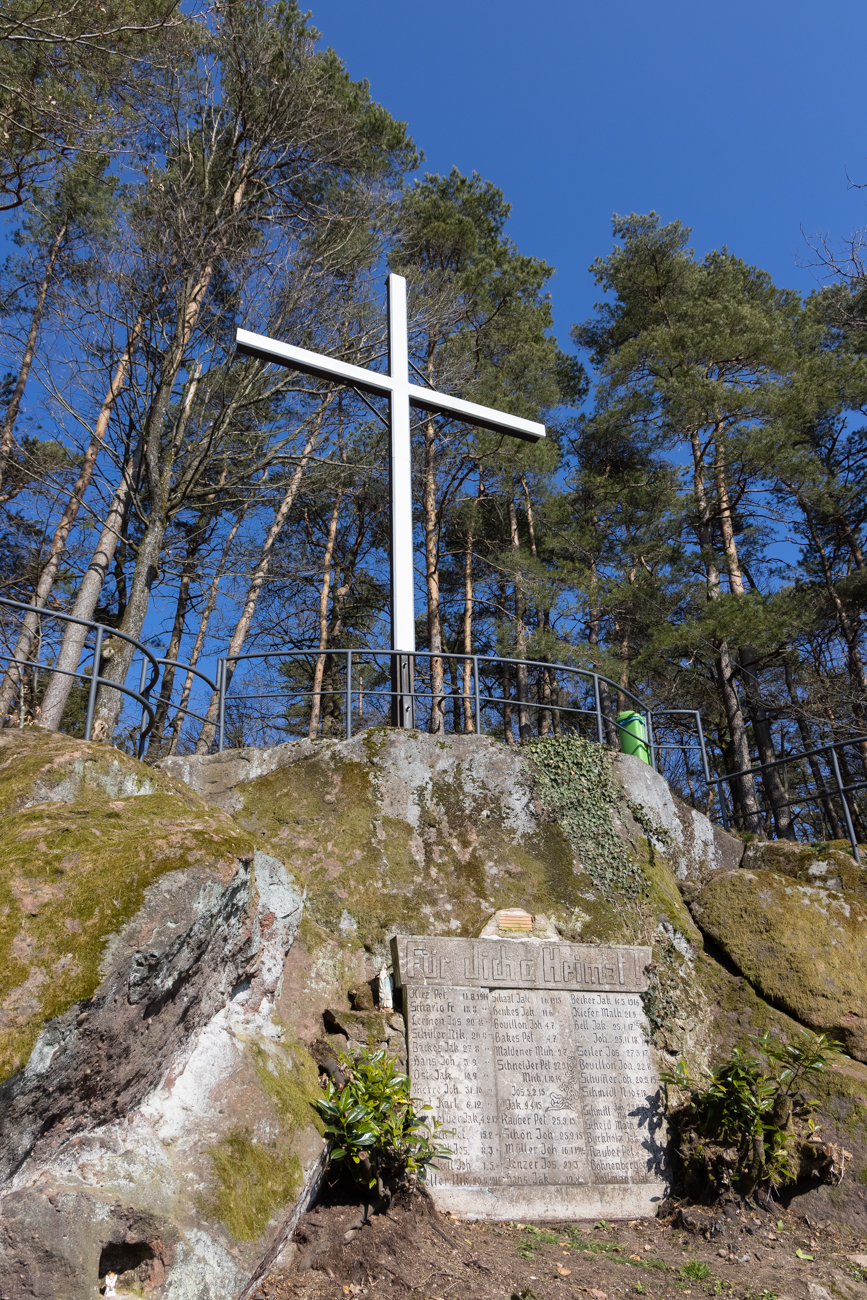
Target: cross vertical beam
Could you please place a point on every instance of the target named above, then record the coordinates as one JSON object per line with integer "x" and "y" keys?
{"x": 400, "y": 494}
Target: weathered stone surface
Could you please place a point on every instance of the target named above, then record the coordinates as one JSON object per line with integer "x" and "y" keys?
{"x": 550, "y": 1095}
{"x": 392, "y": 832}
{"x": 802, "y": 947}
{"x": 830, "y": 866}
{"x": 694, "y": 847}
{"x": 143, "y": 937}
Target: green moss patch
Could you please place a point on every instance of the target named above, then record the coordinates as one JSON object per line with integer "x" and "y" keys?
{"x": 828, "y": 865}
{"x": 251, "y": 1181}
{"x": 369, "y": 874}
{"x": 71, "y": 875}
{"x": 804, "y": 949}
{"x": 45, "y": 766}
{"x": 292, "y": 1091}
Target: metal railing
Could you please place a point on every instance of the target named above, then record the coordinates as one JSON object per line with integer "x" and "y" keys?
{"x": 95, "y": 681}
{"x": 482, "y": 694}
{"x": 475, "y": 687}
{"x": 820, "y": 795}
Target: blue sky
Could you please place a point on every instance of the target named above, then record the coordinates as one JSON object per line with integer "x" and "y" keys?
{"x": 742, "y": 119}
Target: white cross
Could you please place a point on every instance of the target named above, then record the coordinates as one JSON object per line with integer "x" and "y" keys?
{"x": 401, "y": 395}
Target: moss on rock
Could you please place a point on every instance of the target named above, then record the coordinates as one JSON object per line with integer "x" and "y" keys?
{"x": 254, "y": 1178}
{"x": 370, "y": 872}
{"x": 75, "y": 870}
{"x": 804, "y": 949}
{"x": 830, "y": 865}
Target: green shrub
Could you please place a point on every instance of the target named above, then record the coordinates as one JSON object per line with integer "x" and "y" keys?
{"x": 376, "y": 1125}
{"x": 740, "y": 1120}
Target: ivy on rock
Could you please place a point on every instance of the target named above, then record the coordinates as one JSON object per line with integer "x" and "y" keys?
{"x": 573, "y": 782}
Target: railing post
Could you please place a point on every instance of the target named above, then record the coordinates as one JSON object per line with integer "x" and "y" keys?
{"x": 94, "y": 683}
{"x": 600, "y": 728}
{"x": 650, "y": 739}
{"x": 478, "y": 698}
{"x": 348, "y": 694}
{"x": 144, "y": 712}
{"x": 704, "y": 762}
{"x": 844, "y": 801}
{"x": 221, "y": 703}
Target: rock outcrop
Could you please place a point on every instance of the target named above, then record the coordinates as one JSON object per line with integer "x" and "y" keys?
{"x": 803, "y": 948}
{"x": 147, "y": 1083}
{"x": 181, "y": 945}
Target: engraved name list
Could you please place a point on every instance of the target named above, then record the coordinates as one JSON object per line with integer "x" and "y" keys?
{"x": 533, "y": 1054}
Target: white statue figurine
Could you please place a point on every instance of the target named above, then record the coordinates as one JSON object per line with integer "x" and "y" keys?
{"x": 110, "y": 1280}
{"x": 385, "y": 999}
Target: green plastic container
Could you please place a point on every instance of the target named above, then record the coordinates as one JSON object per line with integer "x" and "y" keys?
{"x": 632, "y": 730}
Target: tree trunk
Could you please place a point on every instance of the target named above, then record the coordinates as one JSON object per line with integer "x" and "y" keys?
{"x": 525, "y": 729}
{"x": 432, "y": 575}
{"x": 594, "y": 628}
{"x": 315, "y": 703}
{"x": 808, "y": 742}
{"x": 195, "y": 541}
{"x": 159, "y": 476}
{"x": 260, "y": 573}
{"x": 159, "y": 470}
{"x": 543, "y": 687}
{"x": 210, "y": 604}
{"x": 506, "y": 689}
{"x": 120, "y": 653}
{"x": 772, "y": 778}
{"x": 8, "y": 430}
{"x": 849, "y": 630}
{"x": 75, "y": 636}
{"x": 467, "y": 628}
{"x": 744, "y": 789}
{"x": 45, "y": 584}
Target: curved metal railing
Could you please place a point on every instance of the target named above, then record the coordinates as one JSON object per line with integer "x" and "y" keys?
{"x": 467, "y": 705}
{"x": 101, "y": 632}
{"x": 480, "y": 693}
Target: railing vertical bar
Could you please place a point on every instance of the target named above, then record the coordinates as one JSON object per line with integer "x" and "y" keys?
{"x": 222, "y": 665}
{"x": 844, "y": 801}
{"x": 600, "y": 730}
{"x": 704, "y": 762}
{"x": 650, "y": 739}
{"x": 478, "y": 698}
{"x": 94, "y": 683}
{"x": 348, "y": 694}
{"x": 144, "y": 713}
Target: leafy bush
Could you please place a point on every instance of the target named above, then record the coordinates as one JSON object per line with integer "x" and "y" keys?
{"x": 376, "y": 1125}
{"x": 741, "y": 1120}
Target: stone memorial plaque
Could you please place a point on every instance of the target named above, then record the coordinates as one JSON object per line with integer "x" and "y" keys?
{"x": 533, "y": 1054}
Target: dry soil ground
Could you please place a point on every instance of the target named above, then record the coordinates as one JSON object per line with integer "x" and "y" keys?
{"x": 737, "y": 1250}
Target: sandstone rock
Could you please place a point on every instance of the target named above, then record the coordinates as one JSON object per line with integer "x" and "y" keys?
{"x": 803, "y": 948}
{"x": 831, "y": 866}
{"x": 154, "y": 1117}
{"x": 694, "y": 847}
{"x": 185, "y": 1154}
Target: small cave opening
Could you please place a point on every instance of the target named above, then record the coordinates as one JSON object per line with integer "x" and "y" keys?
{"x": 133, "y": 1261}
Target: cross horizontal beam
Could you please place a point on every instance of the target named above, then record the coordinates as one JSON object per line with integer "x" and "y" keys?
{"x": 371, "y": 381}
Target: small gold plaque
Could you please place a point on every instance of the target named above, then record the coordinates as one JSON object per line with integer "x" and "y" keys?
{"x": 512, "y": 918}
